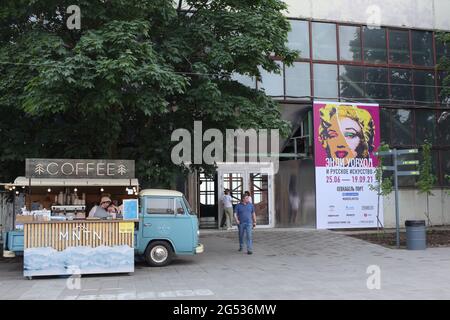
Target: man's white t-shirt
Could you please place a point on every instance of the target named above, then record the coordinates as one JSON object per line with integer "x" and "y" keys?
{"x": 227, "y": 201}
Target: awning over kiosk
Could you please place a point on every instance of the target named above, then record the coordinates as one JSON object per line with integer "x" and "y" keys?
{"x": 35, "y": 182}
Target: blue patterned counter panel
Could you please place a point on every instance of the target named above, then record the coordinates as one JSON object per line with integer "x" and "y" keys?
{"x": 46, "y": 261}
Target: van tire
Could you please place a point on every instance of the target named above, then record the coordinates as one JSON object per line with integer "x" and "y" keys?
{"x": 158, "y": 254}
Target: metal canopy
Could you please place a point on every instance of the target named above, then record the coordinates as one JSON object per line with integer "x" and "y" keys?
{"x": 35, "y": 182}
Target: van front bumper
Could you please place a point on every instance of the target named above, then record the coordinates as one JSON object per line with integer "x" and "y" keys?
{"x": 200, "y": 248}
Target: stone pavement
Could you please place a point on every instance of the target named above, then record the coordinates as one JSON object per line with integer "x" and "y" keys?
{"x": 286, "y": 264}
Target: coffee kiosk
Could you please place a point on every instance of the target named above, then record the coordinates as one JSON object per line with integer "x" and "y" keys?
{"x": 53, "y": 227}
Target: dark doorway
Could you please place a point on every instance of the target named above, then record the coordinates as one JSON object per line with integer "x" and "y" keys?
{"x": 208, "y": 201}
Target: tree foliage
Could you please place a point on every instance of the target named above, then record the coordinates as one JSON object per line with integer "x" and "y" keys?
{"x": 137, "y": 70}
{"x": 383, "y": 184}
{"x": 427, "y": 179}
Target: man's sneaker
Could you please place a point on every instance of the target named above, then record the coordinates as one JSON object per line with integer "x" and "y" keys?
{"x": 240, "y": 249}
{"x": 249, "y": 252}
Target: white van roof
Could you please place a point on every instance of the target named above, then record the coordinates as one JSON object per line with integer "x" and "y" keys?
{"x": 160, "y": 192}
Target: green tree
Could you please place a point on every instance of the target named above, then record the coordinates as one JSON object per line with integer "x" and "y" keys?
{"x": 383, "y": 185}
{"x": 137, "y": 70}
{"x": 427, "y": 179}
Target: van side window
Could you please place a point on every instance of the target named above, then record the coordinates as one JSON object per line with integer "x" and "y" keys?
{"x": 179, "y": 206}
{"x": 157, "y": 205}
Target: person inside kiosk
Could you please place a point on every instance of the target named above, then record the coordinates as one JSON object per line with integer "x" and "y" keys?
{"x": 104, "y": 210}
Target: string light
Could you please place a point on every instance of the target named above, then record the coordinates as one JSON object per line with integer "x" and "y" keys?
{"x": 101, "y": 189}
{"x": 49, "y": 190}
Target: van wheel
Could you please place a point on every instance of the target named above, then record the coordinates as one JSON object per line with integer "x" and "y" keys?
{"x": 158, "y": 254}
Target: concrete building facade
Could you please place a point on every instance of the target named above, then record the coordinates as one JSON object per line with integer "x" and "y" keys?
{"x": 377, "y": 51}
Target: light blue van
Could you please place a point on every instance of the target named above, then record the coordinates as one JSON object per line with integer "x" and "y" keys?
{"x": 167, "y": 227}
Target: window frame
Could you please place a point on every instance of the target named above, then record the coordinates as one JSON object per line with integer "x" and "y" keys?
{"x": 147, "y": 199}
{"x": 388, "y": 104}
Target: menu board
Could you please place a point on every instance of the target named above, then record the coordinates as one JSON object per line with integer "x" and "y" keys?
{"x": 130, "y": 209}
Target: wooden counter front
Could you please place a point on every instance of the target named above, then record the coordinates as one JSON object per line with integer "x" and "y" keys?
{"x": 60, "y": 235}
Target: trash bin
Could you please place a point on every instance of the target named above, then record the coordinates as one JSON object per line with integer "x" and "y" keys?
{"x": 416, "y": 236}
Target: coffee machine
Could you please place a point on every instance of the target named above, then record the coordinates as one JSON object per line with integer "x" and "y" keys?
{"x": 69, "y": 212}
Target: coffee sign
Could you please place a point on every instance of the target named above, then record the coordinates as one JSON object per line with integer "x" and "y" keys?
{"x": 79, "y": 168}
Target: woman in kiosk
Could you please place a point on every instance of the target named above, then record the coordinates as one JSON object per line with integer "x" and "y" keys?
{"x": 101, "y": 211}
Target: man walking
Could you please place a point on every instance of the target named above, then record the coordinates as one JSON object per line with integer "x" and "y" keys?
{"x": 246, "y": 220}
{"x": 228, "y": 208}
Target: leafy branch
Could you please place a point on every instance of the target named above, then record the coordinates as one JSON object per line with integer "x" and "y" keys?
{"x": 426, "y": 179}
{"x": 383, "y": 185}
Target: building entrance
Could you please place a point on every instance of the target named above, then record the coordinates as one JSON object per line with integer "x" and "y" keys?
{"x": 244, "y": 177}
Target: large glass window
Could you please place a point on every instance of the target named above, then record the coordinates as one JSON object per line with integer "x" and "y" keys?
{"x": 401, "y": 84}
{"x": 377, "y": 83}
{"x": 325, "y": 81}
{"x": 298, "y": 37}
{"x": 207, "y": 190}
{"x": 422, "y": 48}
{"x": 424, "y": 86}
{"x": 351, "y": 80}
{"x": 244, "y": 79}
{"x": 259, "y": 189}
{"x": 272, "y": 83}
{"x": 444, "y": 128}
{"x": 402, "y": 128}
{"x": 399, "y": 46}
{"x": 446, "y": 167}
{"x": 444, "y": 88}
{"x": 234, "y": 182}
{"x": 324, "y": 41}
{"x": 350, "y": 43}
{"x": 298, "y": 82}
{"x": 425, "y": 126}
{"x": 374, "y": 42}
{"x": 442, "y": 50}
{"x": 385, "y": 123}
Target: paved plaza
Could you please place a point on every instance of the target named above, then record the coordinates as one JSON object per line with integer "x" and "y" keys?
{"x": 286, "y": 264}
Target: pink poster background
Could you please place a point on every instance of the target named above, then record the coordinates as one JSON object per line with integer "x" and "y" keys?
{"x": 320, "y": 154}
